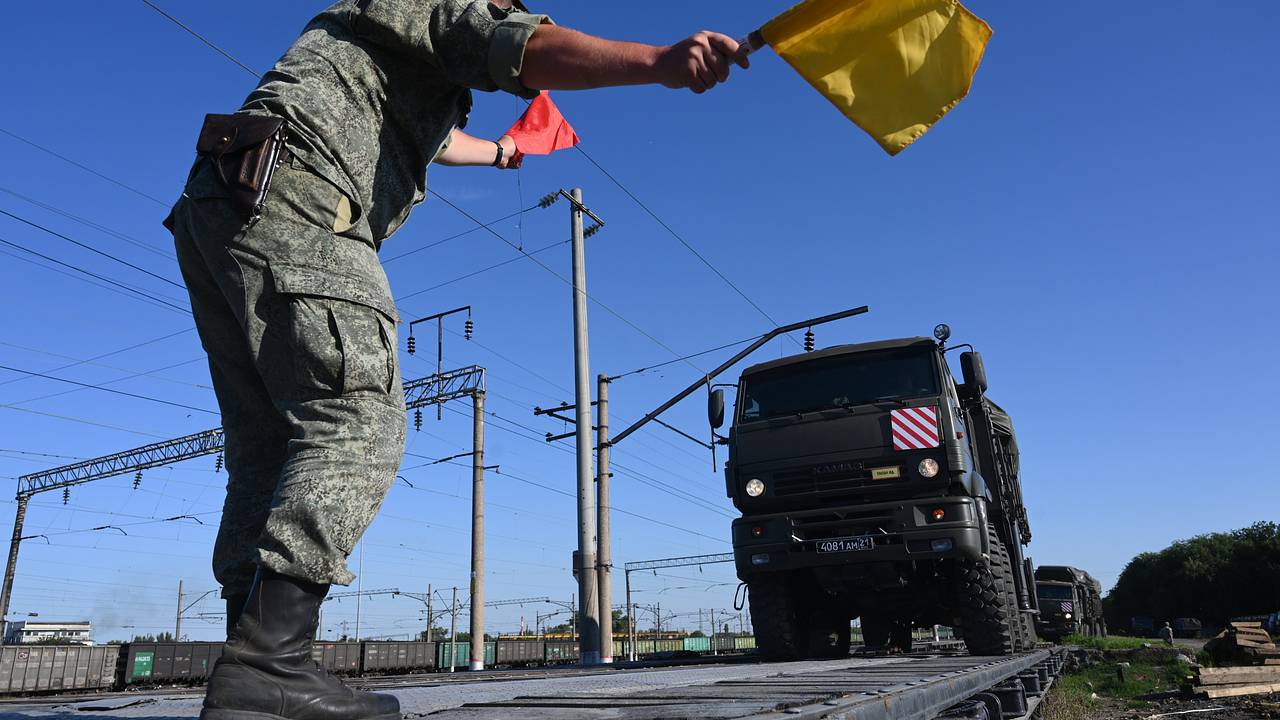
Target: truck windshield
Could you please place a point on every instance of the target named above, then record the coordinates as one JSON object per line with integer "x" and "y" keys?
{"x": 1054, "y": 592}
{"x": 838, "y": 381}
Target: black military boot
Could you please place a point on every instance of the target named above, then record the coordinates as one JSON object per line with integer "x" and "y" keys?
{"x": 235, "y": 606}
{"x": 266, "y": 671}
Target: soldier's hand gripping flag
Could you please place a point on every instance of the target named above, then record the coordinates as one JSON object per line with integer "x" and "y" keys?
{"x": 541, "y": 130}
{"x": 894, "y": 67}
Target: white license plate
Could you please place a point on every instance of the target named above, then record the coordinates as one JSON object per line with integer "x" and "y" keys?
{"x": 851, "y": 544}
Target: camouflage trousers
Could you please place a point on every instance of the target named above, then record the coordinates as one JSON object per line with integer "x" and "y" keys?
{"x": 297, "y": 318}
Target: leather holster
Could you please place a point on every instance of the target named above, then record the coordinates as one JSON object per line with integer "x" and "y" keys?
{"x": 245, "y": 151}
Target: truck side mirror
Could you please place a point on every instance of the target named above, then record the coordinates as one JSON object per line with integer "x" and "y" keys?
{"x": 974, "y": 372}
{"x": 715, "y": 408}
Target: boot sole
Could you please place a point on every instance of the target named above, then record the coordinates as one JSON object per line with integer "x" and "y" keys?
{"x": 251, "y": 715}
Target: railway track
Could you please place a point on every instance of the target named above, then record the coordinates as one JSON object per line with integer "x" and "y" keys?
{"x": 861, "y": 687}
{"x": 902, "y": 688}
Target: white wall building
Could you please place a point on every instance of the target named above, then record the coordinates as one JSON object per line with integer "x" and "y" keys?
{"x": 26, "y": 632}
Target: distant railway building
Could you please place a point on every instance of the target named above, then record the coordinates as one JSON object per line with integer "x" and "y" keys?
{"x": 28, "y": 632}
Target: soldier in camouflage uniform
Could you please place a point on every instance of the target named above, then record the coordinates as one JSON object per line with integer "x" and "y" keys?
{"x": 295, "y": 313}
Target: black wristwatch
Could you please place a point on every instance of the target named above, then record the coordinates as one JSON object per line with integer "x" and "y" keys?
{"x": 497, "y": 161}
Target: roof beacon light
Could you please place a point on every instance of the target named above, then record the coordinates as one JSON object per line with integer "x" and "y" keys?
{"x": 942, "y": 332}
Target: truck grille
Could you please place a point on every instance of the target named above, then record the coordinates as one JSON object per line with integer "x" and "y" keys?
{"x": 809, "y": 480}
{"x": 842, "y": 524}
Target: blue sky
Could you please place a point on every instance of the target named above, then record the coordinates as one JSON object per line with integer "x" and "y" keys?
{"x": 1098, "y": 218}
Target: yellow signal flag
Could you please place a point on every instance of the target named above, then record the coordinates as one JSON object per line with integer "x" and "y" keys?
{"x": 894, "y": 67}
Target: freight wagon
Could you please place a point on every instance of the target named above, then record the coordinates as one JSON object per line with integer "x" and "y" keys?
{"x": 52, "y": 668}
{"x": 33, "y": 669}
{"x": 393, "y": 658}
{"x": 170, "y": 663}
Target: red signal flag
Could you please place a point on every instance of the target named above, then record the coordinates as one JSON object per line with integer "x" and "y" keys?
{"x": 541, "y": 130}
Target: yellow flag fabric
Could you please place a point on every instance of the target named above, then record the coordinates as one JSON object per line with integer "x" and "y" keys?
{"x": 894, "y": 67}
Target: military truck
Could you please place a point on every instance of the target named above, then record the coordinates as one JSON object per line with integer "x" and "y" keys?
{"x": 1070, "y": 602}
{"x": 872, "y": 485}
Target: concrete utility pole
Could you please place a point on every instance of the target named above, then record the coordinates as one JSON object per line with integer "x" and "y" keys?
{"x": 713, "y": 632}
{"x": 430, "y": 617}
{"x": 604, "y": 556}
{"x": 588, "y": 587}
{"x": 453, "y": 630}
{"x": 477, "y": 531}
{"x": 10, "y": 569}
{"x": 177, "y": 623}
{"x": 631, "y": 621}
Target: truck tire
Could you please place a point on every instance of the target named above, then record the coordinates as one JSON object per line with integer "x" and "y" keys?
{"x": 827, "y": 635}
{"x": 780, "y": 631}
{"x": 875, "y": 631}
{"x": 1024, "y": 630}
{"x": 900, "y": 635}
{"x": 983, "y": 597}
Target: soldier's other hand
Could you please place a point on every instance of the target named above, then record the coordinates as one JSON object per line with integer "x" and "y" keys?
{"x": 699, "y": 62}
{"x": 511, "y": 156}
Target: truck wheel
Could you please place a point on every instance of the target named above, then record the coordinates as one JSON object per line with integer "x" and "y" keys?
{"x": 875, "y": 631}
{"x": 1024, "y": 631}
{"x": 828, "y": 635}
{"x": 983, "y": 594}
{"x": 1102, "y": 624}
{"x": 900, "y": 635}
{"x": 776, "y": 618}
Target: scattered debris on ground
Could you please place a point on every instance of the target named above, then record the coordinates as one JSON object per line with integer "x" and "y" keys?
{"x": 1131, "y": 679}
{"x": 1243, "y": 643}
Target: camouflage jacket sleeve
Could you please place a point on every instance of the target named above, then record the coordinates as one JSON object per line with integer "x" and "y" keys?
{"x": 473, "y": 43}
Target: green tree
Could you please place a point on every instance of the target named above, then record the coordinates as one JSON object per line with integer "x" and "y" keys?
{"x": 1212, "y": 577}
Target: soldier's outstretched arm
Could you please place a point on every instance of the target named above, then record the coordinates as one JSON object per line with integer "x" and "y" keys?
{"x": 467, "y": 150}
{"x": 559, "y": 58}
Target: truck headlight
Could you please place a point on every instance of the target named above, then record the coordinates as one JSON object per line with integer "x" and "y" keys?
{"x": 755, "y": 487}
{"x": 1066, "y": 616}
{"x": 928, "y": 467}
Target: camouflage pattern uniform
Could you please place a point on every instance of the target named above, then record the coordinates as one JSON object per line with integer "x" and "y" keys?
{"x": 294, "y": 309}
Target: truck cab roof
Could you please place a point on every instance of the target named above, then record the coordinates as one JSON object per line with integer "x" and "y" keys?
{"x": 837, "y": 350}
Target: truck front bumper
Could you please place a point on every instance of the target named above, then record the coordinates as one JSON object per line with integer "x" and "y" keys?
{"x": 1055, "y": 628}
{"x": 898, "y": 531}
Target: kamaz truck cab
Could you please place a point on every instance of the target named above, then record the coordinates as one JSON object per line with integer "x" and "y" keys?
{"x": 873, "y": 486}
{"x": 1058, "y": 609}
{"x": 1070, "y": 602}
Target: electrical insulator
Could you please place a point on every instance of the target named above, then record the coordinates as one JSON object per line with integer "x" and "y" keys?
{"x": 548, "y": 200}
{"x": 137, "y": 480}
{"x": 417, "y": 419}
{"x": 66, "y": 495}
{"x": 217, "y": 463}
{"x": 808, "y": 340}
{"x": 413, "y": 345}
{"x": 467, "y": 328}
{"x": 591, "y": 231}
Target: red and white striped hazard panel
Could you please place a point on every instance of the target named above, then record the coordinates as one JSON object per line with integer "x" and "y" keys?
{"x": 1067, "y": 606}
{"x": 914, "y": 428}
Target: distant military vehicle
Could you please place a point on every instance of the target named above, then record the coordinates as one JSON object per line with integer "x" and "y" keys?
{"x": 1185, "y": 627}
{"x": 1070, "y": 602}
{"x": 873, "y": 485}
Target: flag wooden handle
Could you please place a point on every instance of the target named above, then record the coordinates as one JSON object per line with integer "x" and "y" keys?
{"x": 751, "y": 43}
